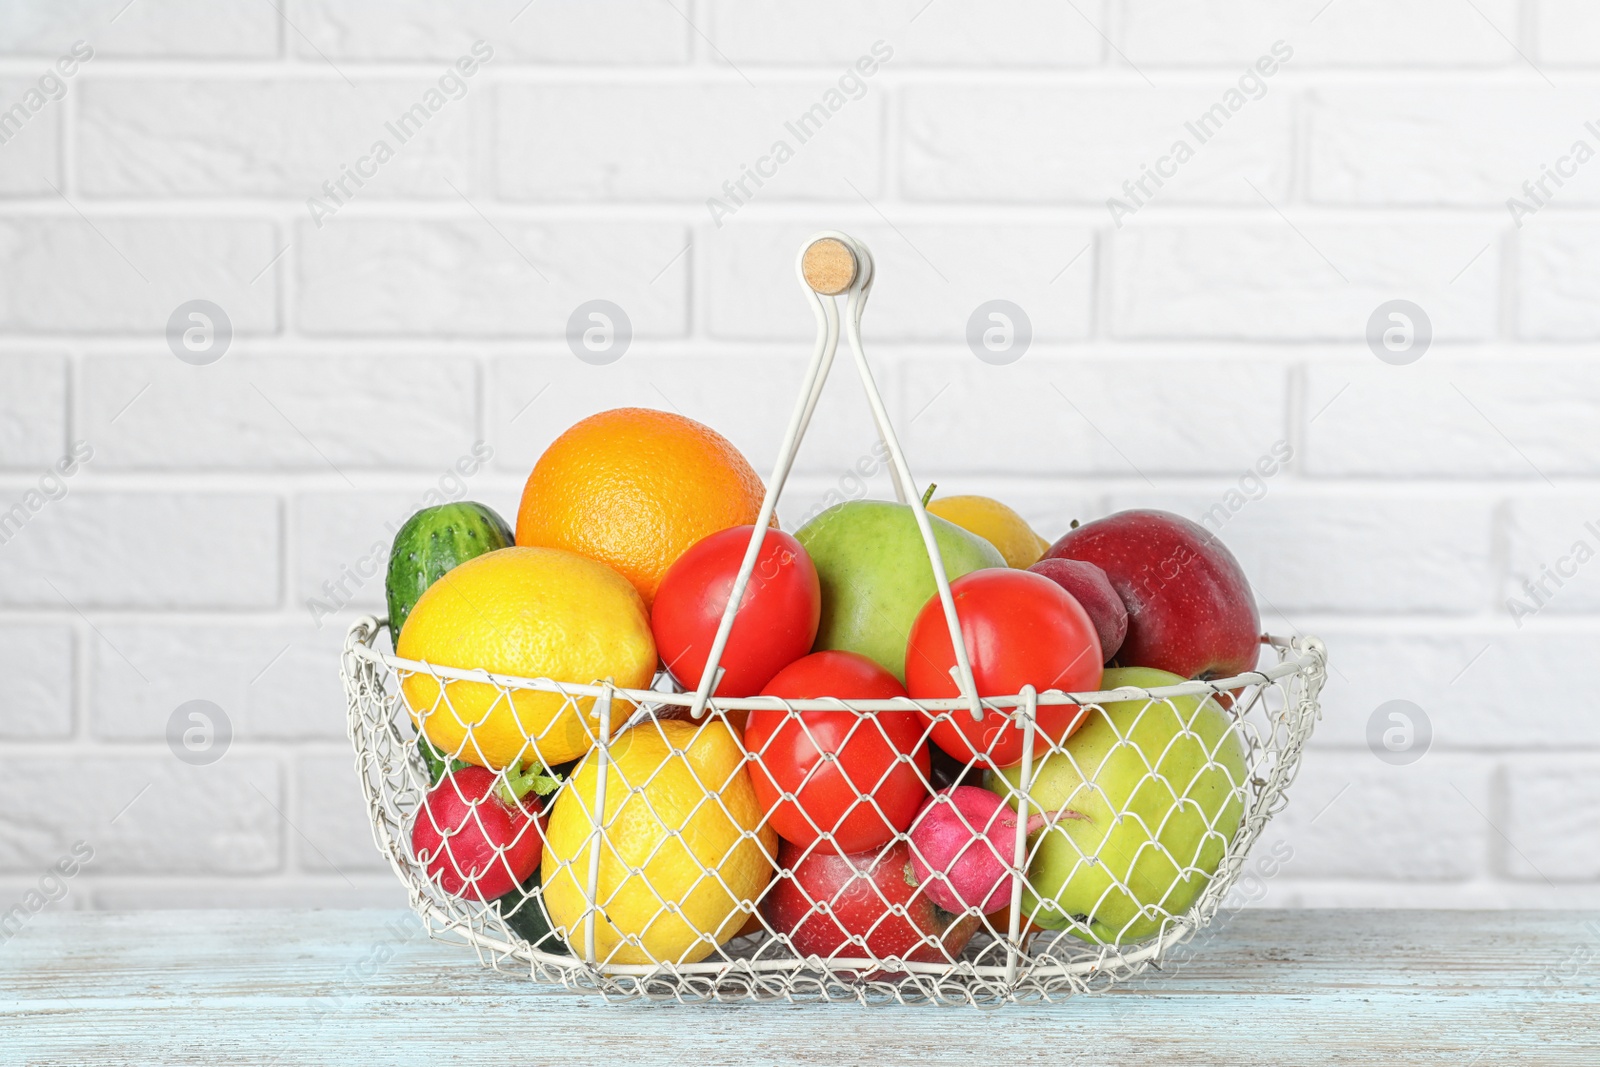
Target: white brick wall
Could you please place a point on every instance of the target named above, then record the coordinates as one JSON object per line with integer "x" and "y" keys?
{"x": 478, "y": 277}
{"x": 1374, "y": 34}
{"x": 1451, "y": 144}
{"x": 128, "y": 273}
{"x": 1097, "y": 138}
{"x": 595, "y": 31}
{"x": 174, "y": 28}
{"x": 425, "y": 311}
{"x": 1560, "y": 267}
{"x": 1270, "y": 280}
{"x": 265, "y": 137}
{"x": 255, "y": 411}
{"x": 33, "y": 408}
{"x": 1011, "y": 33}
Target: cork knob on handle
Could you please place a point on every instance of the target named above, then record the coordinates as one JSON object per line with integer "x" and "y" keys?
{"x": 829, "y": 266}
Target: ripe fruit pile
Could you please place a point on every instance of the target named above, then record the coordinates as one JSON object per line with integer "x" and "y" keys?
{"x": 884, "y": 835}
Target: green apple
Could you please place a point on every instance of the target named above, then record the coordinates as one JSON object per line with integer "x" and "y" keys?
{"x": 1145, "y": 796}
{"x": 876, "y": 576}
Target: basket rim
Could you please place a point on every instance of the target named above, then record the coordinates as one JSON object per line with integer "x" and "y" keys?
{"x": 1298, "y": 654}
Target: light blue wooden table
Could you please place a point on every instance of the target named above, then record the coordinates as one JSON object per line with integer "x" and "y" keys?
{"x": 336, "y": 988}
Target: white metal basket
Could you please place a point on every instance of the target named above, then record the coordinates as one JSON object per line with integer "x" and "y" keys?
{"x": 971, "y": 958}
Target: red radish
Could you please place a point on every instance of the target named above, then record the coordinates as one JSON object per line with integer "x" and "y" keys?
{"x": 472, "y": 840}
{"x": 962, "y": 845}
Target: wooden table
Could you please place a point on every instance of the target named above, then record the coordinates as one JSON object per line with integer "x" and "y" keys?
{"x": 1266, "y": 987}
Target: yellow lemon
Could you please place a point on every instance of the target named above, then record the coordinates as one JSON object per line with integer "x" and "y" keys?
{"x": 684, "y": 856}
{"x": 996, "y": 524}
{"x": 533, "y": 613}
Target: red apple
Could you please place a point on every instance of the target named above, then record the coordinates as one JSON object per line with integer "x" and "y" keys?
{"x": 1190, "y": 609}
{"x": 866, "y": 905}
{"x": 1091, "y": 588}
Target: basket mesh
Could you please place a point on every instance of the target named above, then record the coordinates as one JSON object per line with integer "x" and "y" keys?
{"x": 663, "y": 877}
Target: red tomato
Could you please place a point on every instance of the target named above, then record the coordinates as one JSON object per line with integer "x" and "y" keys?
{"x": 1020, "y": 628}
{"x": 777, "y": 619}
{"x": 869, "y": 791}
{"x": 868, "y": 904}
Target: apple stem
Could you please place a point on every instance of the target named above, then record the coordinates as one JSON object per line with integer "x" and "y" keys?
{"x": 1051, "y": 818}
{"x": 1040, "y": 820}
{"x": 928, "y": 494}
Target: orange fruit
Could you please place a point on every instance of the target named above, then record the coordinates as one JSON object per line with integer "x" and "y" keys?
{"x": 531, "y": 613}
{"x": 634, "y": 489}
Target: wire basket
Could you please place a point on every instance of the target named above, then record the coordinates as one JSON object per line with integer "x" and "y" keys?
{"x": 695, "y": 900}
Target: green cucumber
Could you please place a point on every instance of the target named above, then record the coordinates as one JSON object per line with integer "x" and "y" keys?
{"x": 528, "y": 919}
{"x": 433, "y": 541}
{"x": 437, "y": 762}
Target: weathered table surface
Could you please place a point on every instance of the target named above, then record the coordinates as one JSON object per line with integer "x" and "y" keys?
{"x": 1266, "y": 987}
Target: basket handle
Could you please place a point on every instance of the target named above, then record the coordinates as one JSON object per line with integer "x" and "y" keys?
{"x": 829, "y": 265}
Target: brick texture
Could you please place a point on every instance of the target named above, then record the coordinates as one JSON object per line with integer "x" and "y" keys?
{"x": 39, "y": 659}
{"x": 331, "y": 414}
{"x": 188, "y": 29}
{"x": 150, "y": 550}
{"x": 1115, "y": 134}
{"x": 147, "y": 815}
{"x": 1463, "y": 418}
{"x": 1553, "y": 820}
{"x": 1031, "y": 33}
{"x": 1362, "y": 33}
{"x": 1568, "y": 32}
{"x": 33, "y": 410}
{"x": 478, "y": 277}
{"x": 1356, "y": 817}
{"x": 32, "y": 134}
{"x": 1283, "y": 281}
{"x": 83, "y": 274}
{"x": 250, "y": 138}
{"x": 271, "y": 682}
{"x": 581, "y": 142}
{"x": 599, "y": 31}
